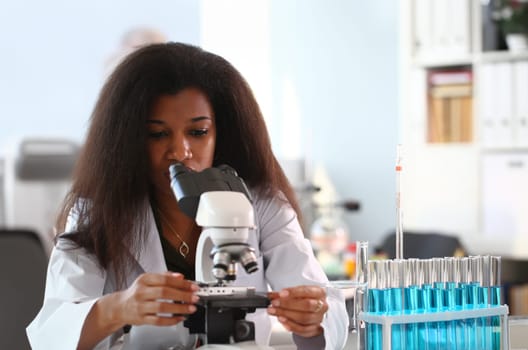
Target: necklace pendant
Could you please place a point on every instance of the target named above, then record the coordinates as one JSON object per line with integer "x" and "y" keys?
{"x": 184, "y": 249}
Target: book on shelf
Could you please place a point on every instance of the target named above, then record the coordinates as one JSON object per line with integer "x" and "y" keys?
{"x": 450, "y": 106}
{"x": 518, "y": 295}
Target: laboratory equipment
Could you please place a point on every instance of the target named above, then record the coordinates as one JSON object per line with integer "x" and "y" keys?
{"x": 36, "y": 177}
{"x": 439, "y": 303}
{"x": 329, "y": 238}
{"x": 399, "y": 212}
{"x": 433, "y": 304}
{"x": 223, "y": 244}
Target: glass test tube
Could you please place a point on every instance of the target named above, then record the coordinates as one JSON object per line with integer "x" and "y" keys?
{"x": 449, "y": 277}
{"x": 362, "y": 261}
{"x": 411, "y": 302}
{"x": 374, "y": 340}
{"x": 438, "y": 301}
{"x": 428, "y": 292}
{"x": 395, "y": 293}
{"x": 461, "y": 274}
{"x": 476, "y": 296}
{"x": 495, "y": 300}
{"x": 486, "y": 334}
{"x": 423, "y": 336}
{"x": 485, "y": 280}
{"x": 360, "y": 297}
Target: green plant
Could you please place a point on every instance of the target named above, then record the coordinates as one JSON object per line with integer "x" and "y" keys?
{"x": 512, "y": 15}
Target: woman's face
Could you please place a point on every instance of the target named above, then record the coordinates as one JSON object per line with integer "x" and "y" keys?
{"x": 182, "y": 129}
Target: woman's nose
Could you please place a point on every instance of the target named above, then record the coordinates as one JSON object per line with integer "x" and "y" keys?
{"x": 180, "y": 150}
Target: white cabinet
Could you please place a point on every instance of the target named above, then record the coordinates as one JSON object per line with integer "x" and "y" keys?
{"x": 478, "y": 189}
{"x": 505, "y": 195}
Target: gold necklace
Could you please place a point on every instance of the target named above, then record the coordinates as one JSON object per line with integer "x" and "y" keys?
{"x": 184, "y": 247}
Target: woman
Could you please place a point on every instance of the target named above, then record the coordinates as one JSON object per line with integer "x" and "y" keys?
{"x": 123, "y": 230}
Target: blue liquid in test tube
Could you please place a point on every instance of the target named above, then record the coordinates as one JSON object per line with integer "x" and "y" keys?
{"x": 437, "y": 277}
{"x": 476, "y": 298}
{"x": 484, "y": 300}
{"x": 461, "y": 271}
{"x": 378, "y": 301}
{"x": 374, "y": 294}
{"x": 471, "y": 299}
{"x": 428, "y": 306}
{"x": 450, "y": 299}
{"x": 395, "y": 307}
{"x": 411, "y": 302}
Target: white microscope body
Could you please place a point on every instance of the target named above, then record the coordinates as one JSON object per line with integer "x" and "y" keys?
{"x": 226, "y": 218}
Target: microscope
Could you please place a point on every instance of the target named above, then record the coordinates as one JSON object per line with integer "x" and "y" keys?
{"x": 218, "y": 199}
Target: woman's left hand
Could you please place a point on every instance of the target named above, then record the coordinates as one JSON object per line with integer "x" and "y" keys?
{"x": 300, "y": 309}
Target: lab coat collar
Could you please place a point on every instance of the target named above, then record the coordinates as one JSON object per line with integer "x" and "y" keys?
{"x": 151, "y": 258}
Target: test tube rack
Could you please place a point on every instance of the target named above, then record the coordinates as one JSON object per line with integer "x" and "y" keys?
{"x": 439, "y": 303}
{"x": 387, "y": 321}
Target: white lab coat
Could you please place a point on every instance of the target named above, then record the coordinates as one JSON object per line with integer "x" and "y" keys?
{"x": 75, "y": 281}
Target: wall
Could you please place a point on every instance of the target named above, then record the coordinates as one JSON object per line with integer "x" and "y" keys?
{"x": 54, "y": 54}
{"x": 342, "y": 59}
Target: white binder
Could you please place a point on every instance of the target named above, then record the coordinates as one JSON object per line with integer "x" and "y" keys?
{"x": 520, "y": 109}
{"x": 504, "y": 107}
{"x": 487, "y": 106}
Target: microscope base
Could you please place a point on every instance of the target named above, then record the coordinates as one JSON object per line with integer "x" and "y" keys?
{"x": 222, "y": 318}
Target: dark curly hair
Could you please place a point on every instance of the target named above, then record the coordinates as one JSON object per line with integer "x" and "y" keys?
{"x": 110, "y": 184}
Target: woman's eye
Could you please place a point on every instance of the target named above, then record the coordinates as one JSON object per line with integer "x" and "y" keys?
{"x": 157, "y": 134}
{"x": 199, "y": 132}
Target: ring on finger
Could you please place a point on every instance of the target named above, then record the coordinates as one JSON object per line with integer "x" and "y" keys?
{"x": 319, "y": 305}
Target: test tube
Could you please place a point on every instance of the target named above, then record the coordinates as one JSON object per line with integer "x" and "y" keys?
{"x": 395, "y": 293}
{"x": 461, "y": 275}
{"x": 450, "y": 297}
{"x": 374, "y": 341}
{"x": 495, "y": 300}
{"x": 361, "y": 277}
{"x": 484, "y": 300}
{"x": 437, "y": 276}
{"x": 495, "y": 280}
{"x": 362, "y": 261}
{"x": 384, "y": 281}
{"x": 449, "y": 276}
{"x": 422, "y": 326}
{"x": 427, "y": 287}
{"x": 411, "y": 302}
{"x": 475, "y": 275}
{"x": 439, "y": 300}
{"x": 475, "y": 298}
{"x": 485, "y": 280}
{"x": 399, "y": 212}
{"x": 470, "y": 286}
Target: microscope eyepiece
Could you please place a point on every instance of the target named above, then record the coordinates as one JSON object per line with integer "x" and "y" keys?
{"x": 177, "y": 169}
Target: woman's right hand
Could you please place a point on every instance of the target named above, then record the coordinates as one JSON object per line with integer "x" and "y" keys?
{"x": 157, "y": 299}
